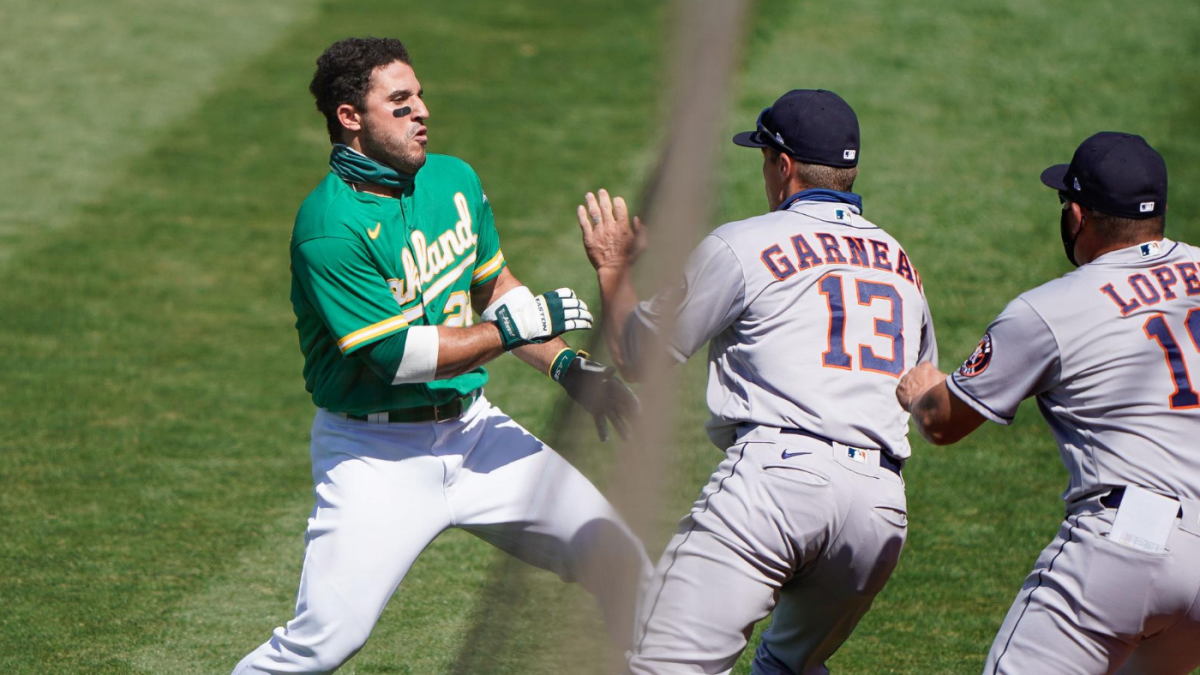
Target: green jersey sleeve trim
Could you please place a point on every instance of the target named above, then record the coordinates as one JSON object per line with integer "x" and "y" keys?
{"x": 345, "y": 289}
{"x": 488, "y": 270}
{"x": 372, "y": 332}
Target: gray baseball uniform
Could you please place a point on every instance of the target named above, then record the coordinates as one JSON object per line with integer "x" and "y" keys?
{"x": 811, "y": 312}
{"x": 1109, "y": 351}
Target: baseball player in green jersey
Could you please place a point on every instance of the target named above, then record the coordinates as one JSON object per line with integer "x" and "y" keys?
{"x": 390, "y": 255}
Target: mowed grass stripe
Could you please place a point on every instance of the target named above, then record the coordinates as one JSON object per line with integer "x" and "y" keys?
{"x": 159, "y": 447}
{"x": 90, "y": 84}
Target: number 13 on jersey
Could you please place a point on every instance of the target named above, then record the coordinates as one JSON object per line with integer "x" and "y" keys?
{"x": 892, "y": 327}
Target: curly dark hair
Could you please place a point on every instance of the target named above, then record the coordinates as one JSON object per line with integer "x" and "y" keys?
{"x": 344, "y": 75}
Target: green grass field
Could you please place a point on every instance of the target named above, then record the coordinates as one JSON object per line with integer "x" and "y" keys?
{"x": 154, "y": 475}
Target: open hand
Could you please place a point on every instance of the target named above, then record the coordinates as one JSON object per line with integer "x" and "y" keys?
{"x": 609, "y": 238}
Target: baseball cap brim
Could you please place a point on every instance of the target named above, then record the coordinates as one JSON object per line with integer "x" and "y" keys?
{"x": 748, "y": 139}
{"x": 1056, "y": 177}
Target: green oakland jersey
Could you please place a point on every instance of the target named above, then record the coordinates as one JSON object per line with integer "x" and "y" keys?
{"x": 366, "y": 267}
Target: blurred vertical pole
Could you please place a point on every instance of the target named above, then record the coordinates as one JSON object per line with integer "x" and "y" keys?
{"x": 677, "y": 207}
{"x": 678, "y": 210}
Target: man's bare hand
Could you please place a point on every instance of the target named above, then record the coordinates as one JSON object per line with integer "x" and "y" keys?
{"x": 609, "y": 238}
{"x": 916, "y": 382}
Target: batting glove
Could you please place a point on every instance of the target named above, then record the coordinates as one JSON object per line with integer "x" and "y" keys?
{"x": 597, "y": 388}
{"x": 544, "y": 317}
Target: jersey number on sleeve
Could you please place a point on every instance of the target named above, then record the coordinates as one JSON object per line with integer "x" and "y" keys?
{"x": 868, "y": 292}
{"x": 1156, "y": 329}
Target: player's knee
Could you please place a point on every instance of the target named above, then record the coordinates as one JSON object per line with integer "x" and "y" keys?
{"x": 607, "y": 544}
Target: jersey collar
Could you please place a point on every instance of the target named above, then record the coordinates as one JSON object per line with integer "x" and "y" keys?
{"x": 1150, "y": 250}
{"x": 852, "y": 200}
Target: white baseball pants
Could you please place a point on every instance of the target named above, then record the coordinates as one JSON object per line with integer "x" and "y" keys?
{"x": 786, "y": 523}
{"x": 385, "y": 491}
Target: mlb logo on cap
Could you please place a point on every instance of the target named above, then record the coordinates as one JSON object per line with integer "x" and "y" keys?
{"x": 1146, "y": 207}
{"x": 813, "y": 126}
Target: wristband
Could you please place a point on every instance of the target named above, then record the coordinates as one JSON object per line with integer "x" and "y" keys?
{"x": 562, "y": 361}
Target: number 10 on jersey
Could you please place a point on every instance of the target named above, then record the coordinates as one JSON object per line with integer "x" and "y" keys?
{"x": 868, "y": 292}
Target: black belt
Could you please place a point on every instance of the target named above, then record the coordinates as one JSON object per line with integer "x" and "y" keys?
{"x": 427, "y": 413}
{"x": 1113, "y": 499}
{"x": 885, "y": 460}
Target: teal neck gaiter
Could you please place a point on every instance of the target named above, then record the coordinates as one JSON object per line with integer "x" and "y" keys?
{"x": 354, "y": 167}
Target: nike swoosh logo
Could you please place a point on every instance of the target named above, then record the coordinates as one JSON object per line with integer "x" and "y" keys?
{"x": 789, "y": 455}
{"x": 374, "y": 234}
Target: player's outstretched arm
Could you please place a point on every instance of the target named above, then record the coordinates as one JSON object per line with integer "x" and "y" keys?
{"x": 426, "y": 353}
{"x": 613, "y": 242}
{"x": 940, "y": 416}
{"x": 590, "y": 384}
{"x": 487, "y": 299}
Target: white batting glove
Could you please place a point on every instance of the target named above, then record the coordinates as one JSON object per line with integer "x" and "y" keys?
{"x": 542, "y": 318}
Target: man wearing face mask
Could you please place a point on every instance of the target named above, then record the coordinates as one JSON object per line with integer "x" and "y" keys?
{"x": 1109, "y": 351}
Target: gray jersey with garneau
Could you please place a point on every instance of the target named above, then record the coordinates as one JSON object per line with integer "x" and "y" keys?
{"x": 1111, "y": 352}
{"x": 813, "y": 313}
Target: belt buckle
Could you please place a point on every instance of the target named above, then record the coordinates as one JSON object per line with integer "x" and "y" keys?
{"x": 437, "y": 414}
{"x": 460, "y": 406}
{"x": 441, "y": 413}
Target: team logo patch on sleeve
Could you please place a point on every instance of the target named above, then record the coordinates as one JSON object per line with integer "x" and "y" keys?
{"x": 979, "y": 359}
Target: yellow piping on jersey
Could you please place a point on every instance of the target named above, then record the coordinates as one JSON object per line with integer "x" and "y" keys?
{"x": 373, "y": 331}
{"x": 487, "y": 268}
{"x": 413, "y": 313}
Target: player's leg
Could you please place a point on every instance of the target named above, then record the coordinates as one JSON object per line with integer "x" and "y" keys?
{"x": 1077, "y": 613}
{"x": 521, "y": 496}
{"x": 753, "y": 527}
{"x": 710, "y": 586}
{"x": 820, "y": 607}
{"x": 379, "y": 503}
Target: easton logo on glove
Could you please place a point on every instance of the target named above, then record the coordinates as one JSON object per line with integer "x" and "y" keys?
{"x": 542, "y": 318}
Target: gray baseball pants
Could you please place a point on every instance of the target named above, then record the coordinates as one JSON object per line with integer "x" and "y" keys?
{"x": 788, "y": 523}
{"x": 1092, "y": 606}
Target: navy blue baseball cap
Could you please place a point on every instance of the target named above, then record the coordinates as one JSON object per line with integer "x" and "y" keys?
{"x": 1114, "y": 173}
{"x": 812, "y": 125}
